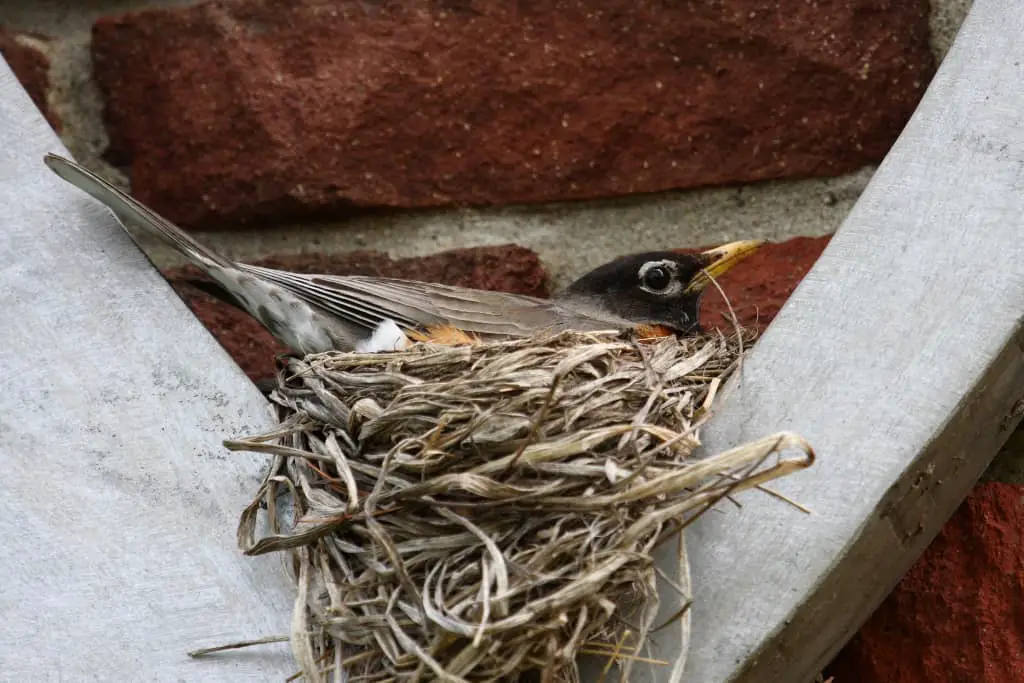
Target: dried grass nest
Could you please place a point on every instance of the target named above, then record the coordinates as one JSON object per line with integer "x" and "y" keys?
{"x": 477, "y": 512}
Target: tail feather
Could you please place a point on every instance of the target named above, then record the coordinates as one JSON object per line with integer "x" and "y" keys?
{"x": 128, "y": 210}
{"x": 217, "y": 291}
{"x": 288, "y": 316}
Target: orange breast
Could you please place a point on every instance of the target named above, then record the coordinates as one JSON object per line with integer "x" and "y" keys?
{"x": 452, "y": 336}
{"x": 443, "y": 334}
{"x": 652, "y": 331}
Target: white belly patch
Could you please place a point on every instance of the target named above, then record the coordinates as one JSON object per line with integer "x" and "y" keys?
{"x": 386, "y": 337}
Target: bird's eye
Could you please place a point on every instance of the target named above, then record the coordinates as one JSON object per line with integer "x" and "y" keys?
{"x": 657, "y": 278}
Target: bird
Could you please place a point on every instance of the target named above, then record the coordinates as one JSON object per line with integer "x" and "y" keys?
{"x": 656, "y": 293}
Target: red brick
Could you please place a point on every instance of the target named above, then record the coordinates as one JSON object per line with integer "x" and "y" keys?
{"x": 958, "y": 615}
{"x": 259, "y": 110}
{"x": 26, "y": 54}
{"x": 501, "y": 268}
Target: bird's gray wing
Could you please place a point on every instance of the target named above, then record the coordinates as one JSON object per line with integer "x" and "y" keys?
{"x": 369, "y": 301}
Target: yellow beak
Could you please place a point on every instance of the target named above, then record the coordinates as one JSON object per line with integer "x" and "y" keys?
{"x": 720, "y": 259}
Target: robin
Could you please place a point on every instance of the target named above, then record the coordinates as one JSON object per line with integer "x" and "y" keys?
{"x": 656, "y": 292}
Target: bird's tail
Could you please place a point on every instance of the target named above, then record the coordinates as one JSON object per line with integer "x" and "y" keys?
{"x": 128, "y": 210}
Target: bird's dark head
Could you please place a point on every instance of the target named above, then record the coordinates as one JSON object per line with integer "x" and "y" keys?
{"x": 658, "y": 287}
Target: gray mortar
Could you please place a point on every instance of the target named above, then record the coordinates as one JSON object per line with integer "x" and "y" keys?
{"x": 945, "y": 20}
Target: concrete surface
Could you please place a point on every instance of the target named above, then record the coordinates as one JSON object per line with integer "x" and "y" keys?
{"x": 120, "y": 502}
{"x": 570, "y": 238}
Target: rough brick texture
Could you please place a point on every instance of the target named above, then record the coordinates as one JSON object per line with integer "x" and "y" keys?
{"x": 958, "y": 615}
{"x": 502, "y": 268}
{"x": 256, "y": 110}
{"x": 26, "y": 54}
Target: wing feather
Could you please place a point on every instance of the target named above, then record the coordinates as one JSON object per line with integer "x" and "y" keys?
{"x": 369, "y": 301}
{"x": 355, "y": 309}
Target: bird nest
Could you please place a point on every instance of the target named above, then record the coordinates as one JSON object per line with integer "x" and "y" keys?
{"x": 488, "y": 510}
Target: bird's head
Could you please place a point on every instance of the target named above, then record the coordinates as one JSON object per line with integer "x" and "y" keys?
{"x": 659, "y": 287}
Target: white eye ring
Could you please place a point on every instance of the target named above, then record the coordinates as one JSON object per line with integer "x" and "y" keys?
{"x": 672, "y": 288}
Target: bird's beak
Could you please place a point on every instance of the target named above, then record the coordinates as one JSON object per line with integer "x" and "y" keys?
{"x": 720, "y": 259}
